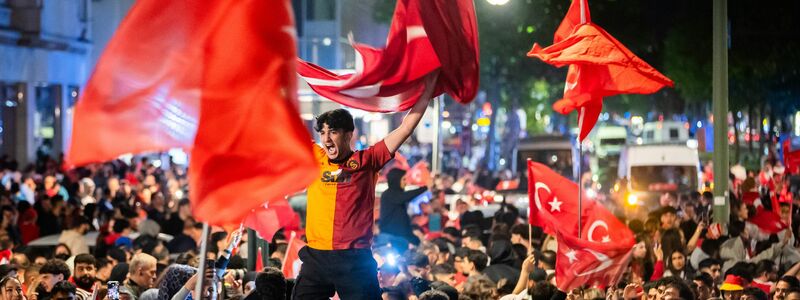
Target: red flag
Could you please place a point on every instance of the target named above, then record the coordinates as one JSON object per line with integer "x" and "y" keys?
{"x": 577, "y": 14}
{"x": 272, "y": 217}
{"x": 769, "y": 222}
{"x": 553, "y": 197}
{"x": 599, "y": 66}
{"x": 291, "y": 261}
{"x": 580, "y": 262}
{"x": 791, "y": 156}
{"x": 602, "y": 254}
{"x": 429, "y": 42}
{"x": 419, "y": 174}
{"x": 400, "y": 162}
{"x": 171, "y": 77}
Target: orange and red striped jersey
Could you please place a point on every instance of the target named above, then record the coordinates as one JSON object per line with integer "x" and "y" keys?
{"x": 342, "y": 199}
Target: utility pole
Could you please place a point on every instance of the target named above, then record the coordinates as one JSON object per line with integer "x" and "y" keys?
{"x": 719, "y": 87}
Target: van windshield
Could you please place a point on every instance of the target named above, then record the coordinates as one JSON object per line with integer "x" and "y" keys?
{"x": 663, "y": 178}
{"x": 613, "y": 141}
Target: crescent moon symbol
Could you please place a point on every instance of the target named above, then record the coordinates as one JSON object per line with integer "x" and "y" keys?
{"x": 598, "y": 223}
{"x": 536, "y": 187}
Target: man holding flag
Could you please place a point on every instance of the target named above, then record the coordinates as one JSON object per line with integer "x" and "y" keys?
{"x": 340, "y": 209}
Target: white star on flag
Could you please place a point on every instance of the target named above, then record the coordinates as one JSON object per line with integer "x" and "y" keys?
{"x": 571, "y": 255}
{"x": 606, "y": 239}
{"x": 555, "y": 205}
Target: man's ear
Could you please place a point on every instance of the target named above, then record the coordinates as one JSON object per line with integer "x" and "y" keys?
{"x": 349, "y": 136}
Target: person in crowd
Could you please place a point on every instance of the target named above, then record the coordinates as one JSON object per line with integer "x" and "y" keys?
{"x": 270, "y": 284}
{"x": 11, "y": 288}
{"x": 704, "y": 286}
{"x": 188, "y": 239}
{"x": 74, "y": 239}
{"x": 83, "y": 275}
{"x": 394, "y": 218}
{"x": 141, "y": 273}
{"x": 474, "y": 263}
{"x": 63, "y": 290}
{"x": 712, "y": 267}
{"x": 547, "y": 262}
{"x": 444, "y": 273}
{"x": 783, "y": 286}
{"x": 174, "y": 225}
{"x": 52, "y": 272}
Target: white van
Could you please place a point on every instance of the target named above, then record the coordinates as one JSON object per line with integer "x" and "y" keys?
{"x": 651, "y": 170}
{"x": 665, "y": 132}
{"x": 609, "y": 140}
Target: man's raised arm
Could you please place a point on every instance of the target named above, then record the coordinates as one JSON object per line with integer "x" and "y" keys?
{"x": 398, "y": 136}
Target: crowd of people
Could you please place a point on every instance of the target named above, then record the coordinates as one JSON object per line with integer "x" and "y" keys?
{"x": 148, "y": 243}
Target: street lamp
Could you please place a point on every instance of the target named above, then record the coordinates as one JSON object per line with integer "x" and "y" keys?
{"x": 497, "y": 2}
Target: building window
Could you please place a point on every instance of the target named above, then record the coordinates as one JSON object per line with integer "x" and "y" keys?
{"x": 10, "y": 95}
{"x": 44, "y": 121}
{"x": 320, "y": 10}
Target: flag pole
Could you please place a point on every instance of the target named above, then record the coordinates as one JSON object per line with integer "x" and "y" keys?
{"x": 580, "y": 143}
{"x": 580, "y": 170}
{"x": 201, "y": 268}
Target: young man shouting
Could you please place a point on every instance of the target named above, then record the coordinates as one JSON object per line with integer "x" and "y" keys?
{"x": 340, "y": 209}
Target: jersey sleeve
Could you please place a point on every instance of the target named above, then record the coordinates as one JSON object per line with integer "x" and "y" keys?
{"x": 377, "y": 155}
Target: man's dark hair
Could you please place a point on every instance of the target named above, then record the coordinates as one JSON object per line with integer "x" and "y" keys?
{"x": 442, "y": 269}
{"x": 55, "y": 266}
{"x": 756, "y": 293}
{"x": 270, "y": 284}
{"x": 85, "y": 258}
{"x": 765, "y": 266}
{"x": 120, "y": 225}
{"x": 339, "y": 119}
{"x": 707, "y": 263}
{"x": 452, "y": 231}
{"x": 394, "y": 293}
{"x": 184, "y": 202}
{"x": 417, "y": 259}
{"x": 118, "y": 254}
{"x": 742, "y": 269}
{"x": 63, "y": 286}
{"x": 461, "y": 252}
{"x": 684, "y": 291}
{"x": 543, "y": 291}
{"x": 520, "y": 229}
{"x": 450, "y": 291}
{"x": 705, "y": 278}
{"x": 101, "y": 262}
{"x": 548, "y": 258}
{"x": 478, "y": 258}
{"x": 433, "y": 295}
{"x": 791, "y": 280}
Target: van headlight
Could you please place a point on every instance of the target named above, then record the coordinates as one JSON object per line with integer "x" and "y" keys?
{"x": 632, "y": 200}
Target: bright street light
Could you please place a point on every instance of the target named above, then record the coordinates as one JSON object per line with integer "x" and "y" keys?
{"x": 497, "y": 2}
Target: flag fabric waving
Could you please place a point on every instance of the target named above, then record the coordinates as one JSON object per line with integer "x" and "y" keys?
{"x": 212, "y": 77}
{"x": 602, "y": 253}
{"x": 291, "y": 261}
{"x": 599, "y": 66}
{"x": 553, "y": 197}
{"x": 429, "y": 42}
{"x": 419, "y": 174}
{"x": 580, "y": 262}
{"x": 268, "y": 219}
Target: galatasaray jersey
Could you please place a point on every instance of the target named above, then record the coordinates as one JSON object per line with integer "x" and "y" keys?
{"x": 342, "y": 199}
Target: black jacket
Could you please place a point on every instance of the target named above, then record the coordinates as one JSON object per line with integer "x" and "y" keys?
{"x": 394, "y": 217}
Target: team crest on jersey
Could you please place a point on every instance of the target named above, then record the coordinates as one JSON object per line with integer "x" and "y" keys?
{"x": 352, "y": 164}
